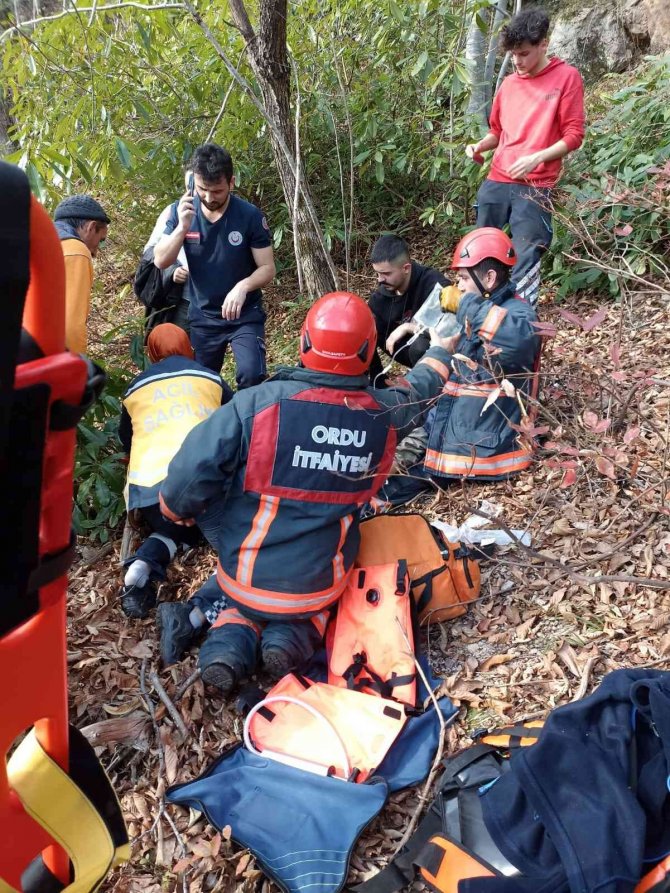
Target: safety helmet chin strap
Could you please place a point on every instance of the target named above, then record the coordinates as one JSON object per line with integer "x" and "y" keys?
{"x": 484, "y": 293}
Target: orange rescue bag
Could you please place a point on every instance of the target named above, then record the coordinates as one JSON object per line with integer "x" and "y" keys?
{"x": 444, "y": 576}
{"x": 323, "y": 729}
{"x": 371, "y": 648}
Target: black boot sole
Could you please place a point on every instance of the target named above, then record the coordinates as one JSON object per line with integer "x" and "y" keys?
{"x": 220, "y": 676}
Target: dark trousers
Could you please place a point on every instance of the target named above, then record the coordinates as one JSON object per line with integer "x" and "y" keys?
{"x": 176, "y": 313}
{"x": 180, "y": 316}
{"x": 210, "y": 339}
{"x": 235, "y": 640}
{"x": 527, "y": 211}
{"x": 154, "y": 551}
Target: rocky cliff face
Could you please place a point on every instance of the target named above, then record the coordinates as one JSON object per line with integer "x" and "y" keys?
{"x": 600, "y": 37}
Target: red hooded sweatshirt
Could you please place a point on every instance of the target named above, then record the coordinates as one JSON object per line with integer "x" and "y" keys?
{"x": 531, "y": 113}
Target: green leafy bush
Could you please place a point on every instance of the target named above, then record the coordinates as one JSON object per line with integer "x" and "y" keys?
{"x": 100, "y": 471}
{"x": 612, "y": 222}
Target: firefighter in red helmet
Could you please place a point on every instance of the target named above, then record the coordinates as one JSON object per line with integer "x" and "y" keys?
{"x": 277, "y": 479}
{"x": 494, "y": 366}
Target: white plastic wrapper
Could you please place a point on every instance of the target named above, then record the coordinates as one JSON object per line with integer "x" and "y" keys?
{"x": 474, "y": 531}
{"x": 430, "y": 315}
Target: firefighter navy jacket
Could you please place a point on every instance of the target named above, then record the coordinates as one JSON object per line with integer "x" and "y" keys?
{"x": 498, "y": 342}
{"x": 294, "y": 459}
{"x": 160, "y": 407}
{"x": 587, "y": 806}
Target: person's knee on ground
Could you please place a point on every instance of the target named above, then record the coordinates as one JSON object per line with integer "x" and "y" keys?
{"x": 230, "y": 650}
{"x": 148, "y": 565}
{"x": 288, "y": 644}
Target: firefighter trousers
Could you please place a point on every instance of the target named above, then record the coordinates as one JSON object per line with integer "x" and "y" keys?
{"x": 240, "y": 642}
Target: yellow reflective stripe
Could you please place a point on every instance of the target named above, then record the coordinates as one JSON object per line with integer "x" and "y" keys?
{"x": 5, "y": 888}
{"x": 504, "y": 741}
{"x": 52, "y": 799}
{"x": 265, "y": 515}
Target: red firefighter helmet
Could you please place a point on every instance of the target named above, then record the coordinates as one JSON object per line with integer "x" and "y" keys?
{"x": 338, "y": 335}
{"x": 483, "y": 243}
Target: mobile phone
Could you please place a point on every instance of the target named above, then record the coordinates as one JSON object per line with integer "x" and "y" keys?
{"x": 191, "y": 184}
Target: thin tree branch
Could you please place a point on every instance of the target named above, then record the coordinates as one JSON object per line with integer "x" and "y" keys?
{"x": 423, "y": 797}
{"x": 342, "y": 196}
{"x": 499, "y": 14}
{"x": 508, "y": 55}
{"x": 591, "y": 262}
{"x": 93, "y": 12}
{"x": 242, "y": 21}
{"x": 584, "y": 579}
{"x": 281, "y": 142}
{"x": 224, "y": 103}
{"x": 296, "y": 193}
{"x": 92, "y": 9}
{"x": 171, "y": 709}
{"x": 350, "y": 130}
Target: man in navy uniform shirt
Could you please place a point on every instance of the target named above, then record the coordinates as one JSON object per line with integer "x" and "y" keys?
{"x": 228, "y": 246}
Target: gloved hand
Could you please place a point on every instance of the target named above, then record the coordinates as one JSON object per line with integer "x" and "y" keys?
{"x": 450, "y": 298}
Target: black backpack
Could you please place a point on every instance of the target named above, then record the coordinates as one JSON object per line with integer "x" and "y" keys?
{"x": 155, "y": 288}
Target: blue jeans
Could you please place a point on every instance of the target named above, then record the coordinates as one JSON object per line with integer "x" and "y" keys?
{"x": 210, "y": 339}
{"x": 527, "y": 210}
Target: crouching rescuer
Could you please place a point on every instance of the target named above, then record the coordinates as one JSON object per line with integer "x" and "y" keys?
{"x": 494, "y": 363}
{"x": 277, "y": 479}
{"x": 162, "y": 404}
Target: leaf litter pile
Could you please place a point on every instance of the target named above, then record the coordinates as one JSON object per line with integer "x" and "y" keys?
{"x": 590, "y": 594}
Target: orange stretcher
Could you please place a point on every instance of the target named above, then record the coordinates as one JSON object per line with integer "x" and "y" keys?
{"x": 53, "y": 793}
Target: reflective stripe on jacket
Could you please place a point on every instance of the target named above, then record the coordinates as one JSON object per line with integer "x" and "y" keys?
{"x": 499, "y": 342}
{"x": 293, "y": 460}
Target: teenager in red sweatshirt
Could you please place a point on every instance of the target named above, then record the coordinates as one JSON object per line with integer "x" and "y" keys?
{"x": 537, "y": 118}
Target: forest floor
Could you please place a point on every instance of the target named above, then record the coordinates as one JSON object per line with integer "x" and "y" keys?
{"x": 591, "y": 594}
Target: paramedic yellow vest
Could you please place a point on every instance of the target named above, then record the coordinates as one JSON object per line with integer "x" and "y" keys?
{"x": 163, "y": 409}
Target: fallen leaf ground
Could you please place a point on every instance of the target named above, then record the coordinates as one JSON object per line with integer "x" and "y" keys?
{"x": 551, "y": 621}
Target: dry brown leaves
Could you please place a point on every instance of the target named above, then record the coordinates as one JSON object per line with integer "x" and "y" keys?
{"x": 551, "y": 622}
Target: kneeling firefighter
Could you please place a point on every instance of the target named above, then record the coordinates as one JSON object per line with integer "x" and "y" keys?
{"x": 277, "y": 478}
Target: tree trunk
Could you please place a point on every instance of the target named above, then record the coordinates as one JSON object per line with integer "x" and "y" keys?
{"x": 475, "y": 60}
{"x": 500, "y": 13}
{"x": 7, "y": 145}
{"x": 268, "y": 57}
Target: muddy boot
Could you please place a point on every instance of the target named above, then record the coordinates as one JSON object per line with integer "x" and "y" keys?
{"x": 176, "y": 631}
{"x": 138, "y": 601}
{"x": 219, "y": 675}
{"x": 276, "y": 662}
{"x": 214, "y": 662}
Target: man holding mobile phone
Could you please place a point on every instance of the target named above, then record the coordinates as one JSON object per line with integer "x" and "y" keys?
{"x": 228, "y": 246}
